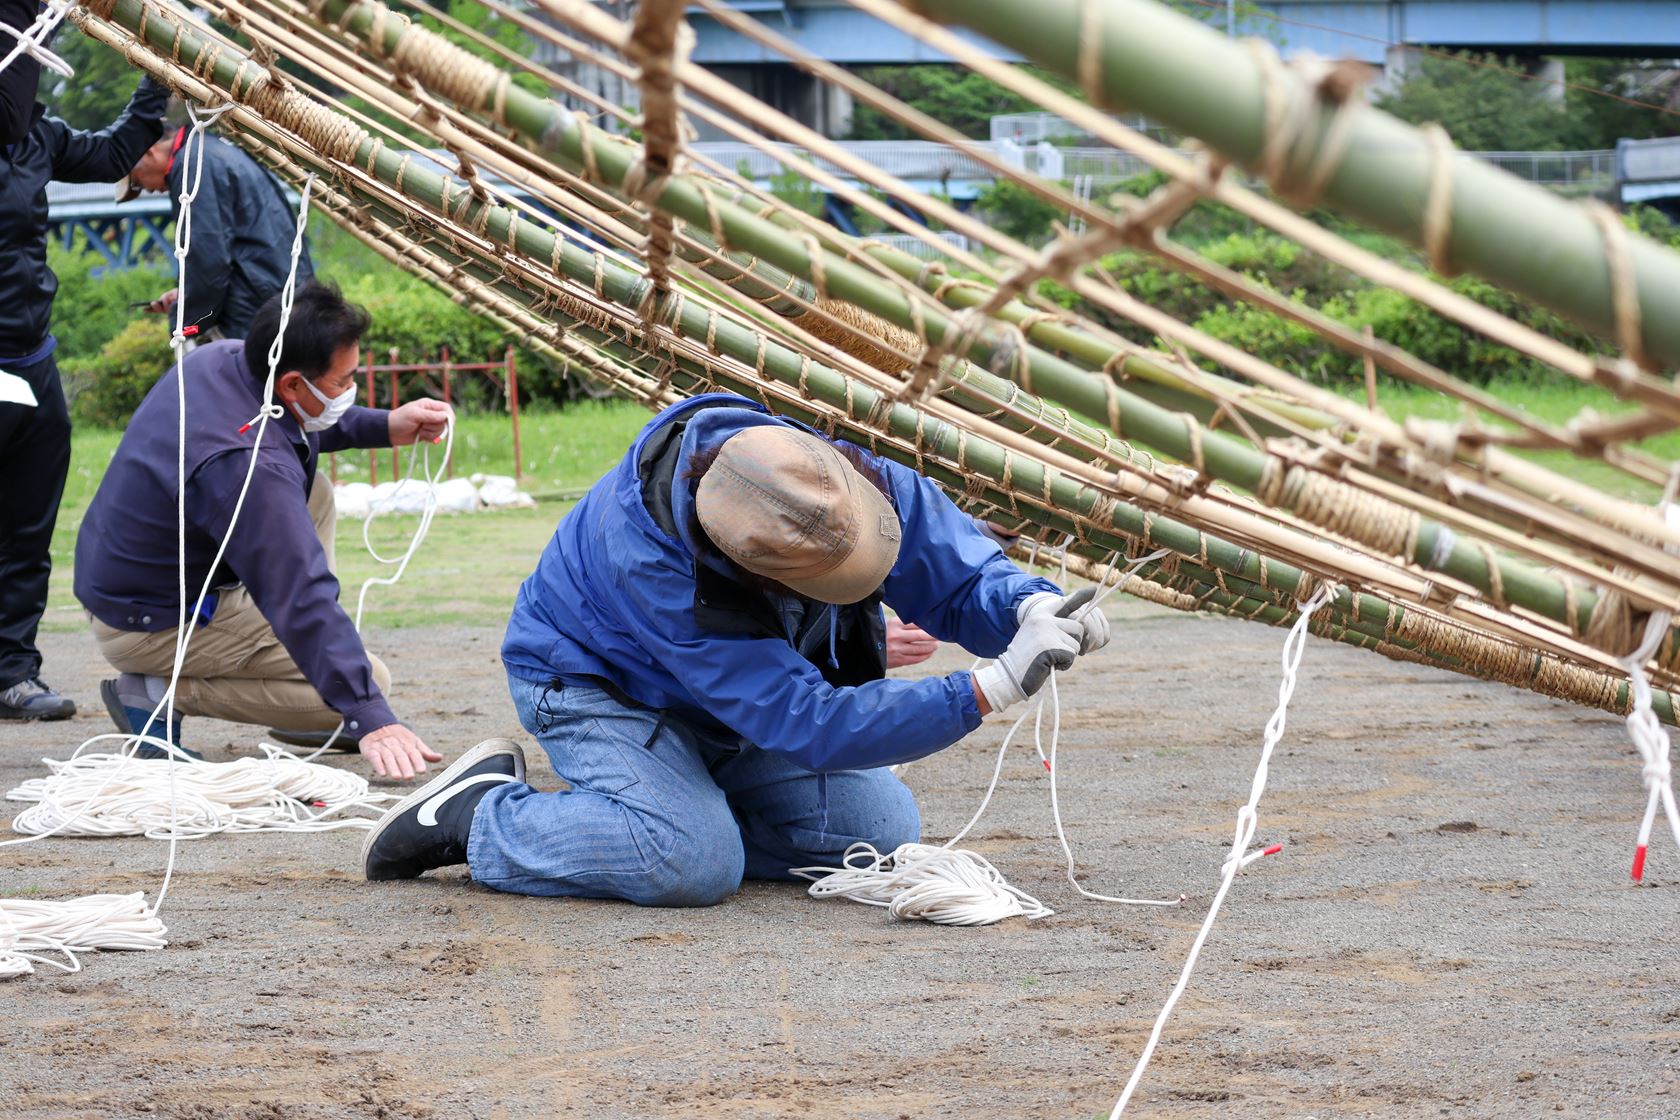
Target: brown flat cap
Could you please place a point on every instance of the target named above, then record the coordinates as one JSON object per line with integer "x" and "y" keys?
{"x": 788, "y": 506}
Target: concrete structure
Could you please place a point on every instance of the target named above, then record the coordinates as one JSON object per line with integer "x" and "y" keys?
{"x": 1649, "y": 171}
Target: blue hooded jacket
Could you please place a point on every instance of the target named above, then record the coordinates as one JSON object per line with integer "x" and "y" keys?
{"x": 618, "y": 600}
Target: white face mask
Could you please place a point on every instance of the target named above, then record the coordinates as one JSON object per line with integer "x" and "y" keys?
{"x": 332, "y": 408}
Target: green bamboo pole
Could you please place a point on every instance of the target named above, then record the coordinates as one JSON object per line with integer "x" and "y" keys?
{"x": 1522, "y": 584}
{"x": 1184, "y": 74}
{"x": 941, "y": 438}
{"x": 611, "y": 160}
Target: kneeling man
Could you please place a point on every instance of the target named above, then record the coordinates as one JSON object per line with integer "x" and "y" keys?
{"x": 271, "y": 644}
{"x": 700, "y": 651}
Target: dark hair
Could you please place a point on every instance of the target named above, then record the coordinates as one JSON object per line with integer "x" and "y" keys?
{"x": 323, "y": 322}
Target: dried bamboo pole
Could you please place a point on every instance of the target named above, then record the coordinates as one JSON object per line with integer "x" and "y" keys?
{"x": 1423, "y": 639}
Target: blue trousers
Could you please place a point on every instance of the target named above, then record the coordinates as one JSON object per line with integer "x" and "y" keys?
{"x": 664, "y": 813}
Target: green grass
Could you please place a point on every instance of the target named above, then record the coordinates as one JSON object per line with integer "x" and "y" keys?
{"x": 469, "y": 567}
{"x": 1552, "y": 403}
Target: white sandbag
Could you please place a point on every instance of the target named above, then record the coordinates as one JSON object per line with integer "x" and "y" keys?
{"x": 407, "y": 496}
{"x": 501, "y": 492}
{"x": 457, "y": 495}
{"x": 353, "y": 499}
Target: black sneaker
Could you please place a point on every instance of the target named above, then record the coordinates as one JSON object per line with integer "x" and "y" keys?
{"x": 315, "y": 740}
{"x": 429, "y": 827}
{"x": 34, "y": 699}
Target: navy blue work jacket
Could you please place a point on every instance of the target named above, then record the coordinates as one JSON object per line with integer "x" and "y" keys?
{"x": 51, "y": 149}
{"x": 126, "y": 548}
{"x": 619, "y": 600}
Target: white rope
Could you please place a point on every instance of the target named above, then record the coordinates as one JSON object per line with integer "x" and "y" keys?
{"x": 950, "y": 886}
{"x": 31, "y": 927}
{"x": 432, "y": 478}
{"x": 1248, "y": 822}
{"x": 32, "y": 40}
{"x": 956, "y": 886}
{"x": 90, "y": 910}
{"x": 1648, "y": 736}
{"x": 118, "y": 795}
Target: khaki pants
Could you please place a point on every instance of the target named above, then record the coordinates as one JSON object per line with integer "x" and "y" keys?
{"x": 236, "y": 668}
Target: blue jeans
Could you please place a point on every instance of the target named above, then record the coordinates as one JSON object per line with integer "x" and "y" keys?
{"x": 664, "y": 813}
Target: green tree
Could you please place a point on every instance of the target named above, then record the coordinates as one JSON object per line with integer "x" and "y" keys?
{"x": 1482, "y": 105}
{"x": 102, "y": 85}
{"x": 1601, "y": 90}
{"x": 952, "y": 95}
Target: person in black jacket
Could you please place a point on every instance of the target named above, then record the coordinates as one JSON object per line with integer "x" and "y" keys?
{"x": 242, "y": 229}
{"x": 34, "y": 421}
{"x": 18, "y": 80}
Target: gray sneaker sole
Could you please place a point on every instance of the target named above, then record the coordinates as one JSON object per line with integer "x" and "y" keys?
{"x": 487, "y": 749}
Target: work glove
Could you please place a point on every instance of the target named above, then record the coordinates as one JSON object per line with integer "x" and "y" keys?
{"x": 1044, "y": 642}
{"x": 1093, "y": 623}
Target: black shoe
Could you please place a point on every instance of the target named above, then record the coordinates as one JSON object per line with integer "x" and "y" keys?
{"x": 429, "y": 827}
{"x": 315, "y": 740}
{"x": 132, "y": 719}
{"x": 34, "y": 699}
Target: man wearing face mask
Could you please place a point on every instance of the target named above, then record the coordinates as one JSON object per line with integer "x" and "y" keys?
{"x": 271, "y": 644}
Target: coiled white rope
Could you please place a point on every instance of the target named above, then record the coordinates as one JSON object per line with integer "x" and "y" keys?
{"x": 1248, "y": 822}
{"x": 119, "y": 795}
{"x": 32, "y": 40}
{"x": 29, "y": 928}
{"x": 950, "y": 886}
{"x": 42, "y": 924}
{"x": 956, "y": 886}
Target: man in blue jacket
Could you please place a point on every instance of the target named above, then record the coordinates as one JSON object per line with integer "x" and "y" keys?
{"x": 271, "y": 645}
{"x": 700, "y": 652}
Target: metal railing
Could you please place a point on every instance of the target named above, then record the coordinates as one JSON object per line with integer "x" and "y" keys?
{"x": 903, "y": 159}
{"x": 925, "y": 160}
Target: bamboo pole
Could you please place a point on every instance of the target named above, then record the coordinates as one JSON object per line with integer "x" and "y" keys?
{"x": 607, "y": 159}
{"x": 1475, "y": 654}
{"x": 1142, "y": 56}
{"x": 1058, "y": 492}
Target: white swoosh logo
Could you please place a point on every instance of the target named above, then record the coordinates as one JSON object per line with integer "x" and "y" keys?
{"x": 428, "y": 811}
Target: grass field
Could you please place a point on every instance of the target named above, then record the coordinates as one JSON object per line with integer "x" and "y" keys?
{"x": 470, "y": 566}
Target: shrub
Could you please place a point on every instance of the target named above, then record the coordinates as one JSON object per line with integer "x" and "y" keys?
{"x": 105, "y": 389}
{"x": 90, "y": 310}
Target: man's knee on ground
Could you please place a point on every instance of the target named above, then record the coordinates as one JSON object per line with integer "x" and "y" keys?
{"x": 873, "y": 807}
{"x": 701, "y": 866}
{"x": 895, "y": 819}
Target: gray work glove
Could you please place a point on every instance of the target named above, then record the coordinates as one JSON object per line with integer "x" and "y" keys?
{"x": 1094, "y": 632}
{"x": 1045, "y": 641}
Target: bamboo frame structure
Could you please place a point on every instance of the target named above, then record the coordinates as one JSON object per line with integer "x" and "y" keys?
{"x": 1447, "y": 549}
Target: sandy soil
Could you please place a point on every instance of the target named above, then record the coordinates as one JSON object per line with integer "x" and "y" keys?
{"x": 1451, "y": 931}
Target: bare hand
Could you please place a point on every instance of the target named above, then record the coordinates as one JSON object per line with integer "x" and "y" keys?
{"x": 424, "y": 419}
{"x": 397, "y": 752}
{"x": 162, "y": 304}
{"x": 908, "y": 644}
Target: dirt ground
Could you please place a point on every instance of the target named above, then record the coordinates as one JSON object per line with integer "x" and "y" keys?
{"x": 1450, "y": 931}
